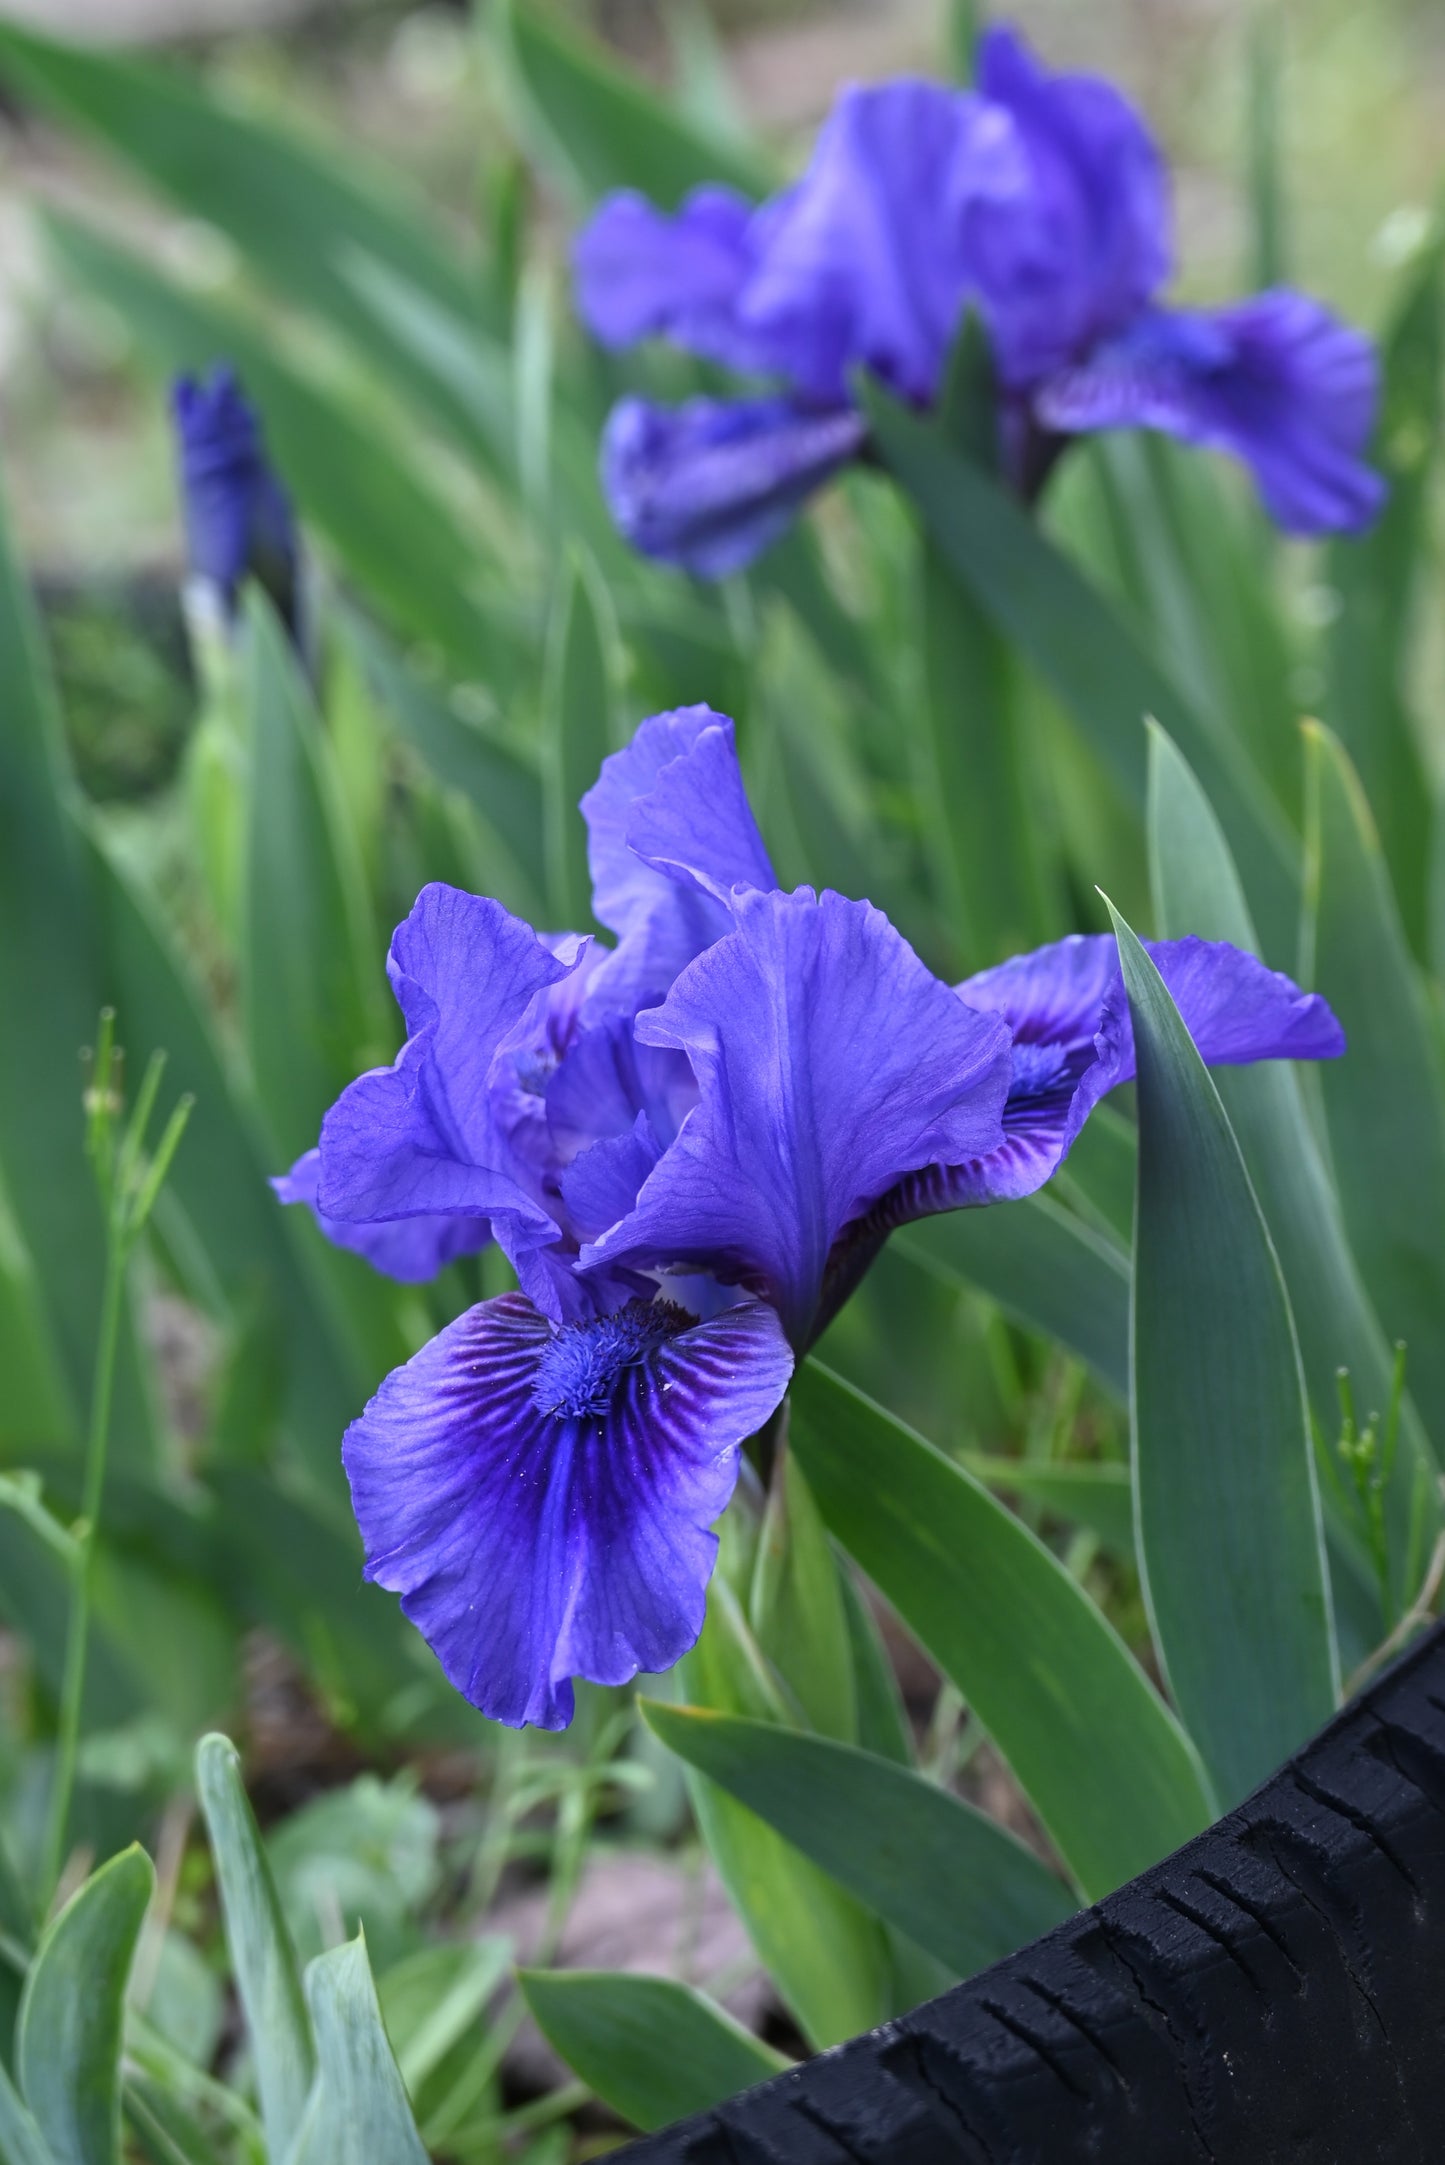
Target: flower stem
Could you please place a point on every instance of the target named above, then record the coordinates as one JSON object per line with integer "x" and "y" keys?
{"x": 78, "y": 1634}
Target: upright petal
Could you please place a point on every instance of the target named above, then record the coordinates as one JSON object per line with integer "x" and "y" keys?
{"x": 863, "y": 262}
{"x": 541, "y": 1499}
{"x": 669, "y": 832}
{"x": 419, "y": 1137}
{"x": 1276, "y": 380}
{"x": 829, "y": 1063}
{"x": 410, "y": 1249}
{"x": 643, "y": 273}
{"x": 708, "y": 485}
{"x": 1081, "y": 248}
{"x": 1074, "y": 1042}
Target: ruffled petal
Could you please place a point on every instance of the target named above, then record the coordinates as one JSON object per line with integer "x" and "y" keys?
{"x": 1078, "y": 250}
{"x": 409, "y": 1249}
{"x": 708, "y": 485}
{"x": 541, "y": 1499}
{"x": 420, "y": 1137}
{"x": 1276, "y": 380}
{"x": 830, "y": 1063}
{"x": 644, "y": 273}
{"x": 669, "y": 832}
{"x": 1074, "y": 1042}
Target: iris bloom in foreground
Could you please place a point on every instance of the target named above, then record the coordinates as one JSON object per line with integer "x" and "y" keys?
{"x": 1039, "y": 200}
{"x": 239, "y": 520}
{"x": 690, "y": 1144}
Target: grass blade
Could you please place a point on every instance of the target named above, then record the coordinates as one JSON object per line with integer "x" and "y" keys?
{"x": 1101, "y": 1758}
{"x": 930, "y": 1865}
{"x": 653, "y": 2050}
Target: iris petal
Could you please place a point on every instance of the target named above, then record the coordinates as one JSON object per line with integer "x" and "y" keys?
{"x": 710, "y": 484}
{"x": 1078, "y": 250}
{"x": 409, "y": 1249}
{"x": 419, "y": 1137}
{"x": 1276, "y": 380}
{"x": 541, "y": 1500}
{"x": 666, "y": 815}
{"x": 1074, "y": 1042}
{"x": 830, "y": 1063}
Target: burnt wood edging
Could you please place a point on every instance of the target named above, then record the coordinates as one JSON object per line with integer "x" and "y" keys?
{"x": 1274, "y": 1991}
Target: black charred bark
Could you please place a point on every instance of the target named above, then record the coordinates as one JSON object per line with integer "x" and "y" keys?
{"x": 1272, "y": 1994}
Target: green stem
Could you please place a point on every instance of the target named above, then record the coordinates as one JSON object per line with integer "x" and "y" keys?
{"x": 78, "y": 1635}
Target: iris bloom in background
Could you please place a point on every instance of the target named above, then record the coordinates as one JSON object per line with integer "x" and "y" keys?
{"x": 1042, "y": 202}
{"x": 690, "y": 1144}
{"x": 239, "y": 521}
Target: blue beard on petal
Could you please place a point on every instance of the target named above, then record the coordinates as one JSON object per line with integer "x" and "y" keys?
{"x": 578, "y": 1373}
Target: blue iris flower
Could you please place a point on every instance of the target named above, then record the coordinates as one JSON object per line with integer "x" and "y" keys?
{"x": 1039, "y": 200}
{"x": 690, "y": 1144}
{"x": 239, "y": 521}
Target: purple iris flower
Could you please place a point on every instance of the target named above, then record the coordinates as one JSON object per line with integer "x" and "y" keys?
{"x": 239, "y": 521}
{"x": 1039, "y": 200}
{"x": 690, "y": 1145}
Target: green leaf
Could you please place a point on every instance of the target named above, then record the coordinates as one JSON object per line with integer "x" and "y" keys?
{"x": 930, "y": 1865}
{"x": 796, "y": 1608}
{"x": 393, "y": 531}
{"x": 1379, "y": 578}
{"x": 50, "y": 973}
{"x": 68, "y": 2035}
{"x": 1231, "y": 1543}
{"x": 235, "y": 1230}
{"x": 357, "y": 2113}
{"x": 309, "y": 950}
{"x": 1385, "y": 1101}
{"x": 302, "y": 219}
{"x": 1100, "y": 1498}
{"x": 1045, "y": 1268}
{"x": 882, "y": 1717}
{"x": 1102, "y": 1760}
{"x": 262, "y": 1959}
{"x": 1268, "y": 255}
{"x": 653, "y": 2050}
{"x": 825, "y": 1954}
{"x": 498, "y": 779}
{"x": 21, "y": 2142}
{"x": 1071, "y": 636}
{"x": 598, "y": 128}
{"x": 431, "y": 1999}
{"x": 983, "y": 830}
{"x": 1196, "y": 890}
{"x": 577, "y": 731}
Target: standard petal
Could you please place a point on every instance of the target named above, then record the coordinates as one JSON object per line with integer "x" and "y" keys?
{"x": 541, "y": 1499}
{"x": 830, "y": 1063}
{"x": 1078, "y": 250}
{"x": 642, "y": 273}
{"x": 708, "y": 485}
{"x": 695, "y": 824}
{"x": 419, "y": 1137}
{"x": 1276, "y": 380}
{"x": 669, "y": 832}
{"x": 863, "y": 261}
{"x": 410, "y": 1249}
